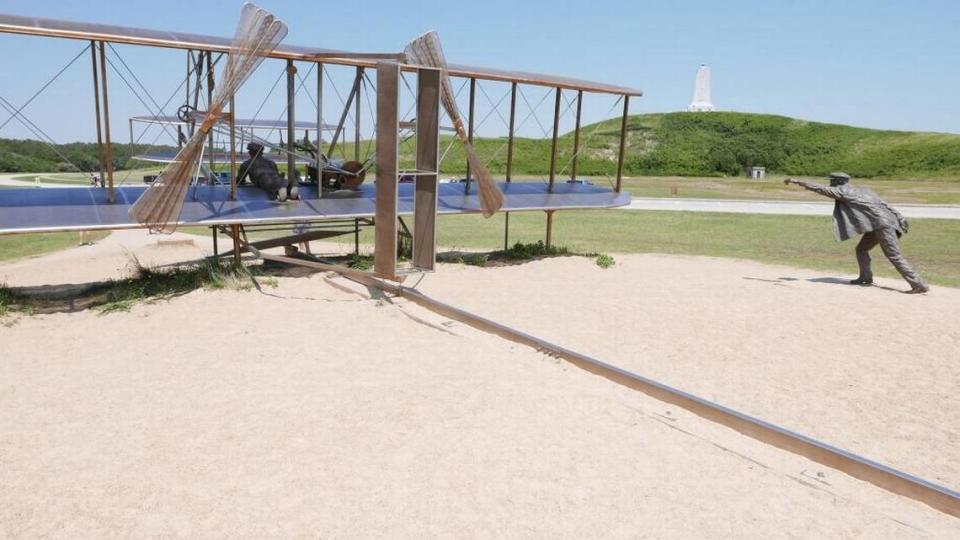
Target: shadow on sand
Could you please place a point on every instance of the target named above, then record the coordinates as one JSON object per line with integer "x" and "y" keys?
{"x": 826, "y": 280}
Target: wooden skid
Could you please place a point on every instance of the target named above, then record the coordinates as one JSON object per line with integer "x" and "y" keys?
{"x": 292, "y": 239}
{"x": 901, "y": 483}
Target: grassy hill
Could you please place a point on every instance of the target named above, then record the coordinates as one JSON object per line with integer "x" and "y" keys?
{"x": 671, "y": 144}
{"x": 723, "y": 143}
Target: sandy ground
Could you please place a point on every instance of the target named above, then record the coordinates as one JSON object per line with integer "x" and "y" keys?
{"x": 312, "y": 410}
{"x": 870, "y": 370}
{"x": 111, "y": 258}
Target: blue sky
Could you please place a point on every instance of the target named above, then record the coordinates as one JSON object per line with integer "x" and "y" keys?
{"x": 879, "y": 64}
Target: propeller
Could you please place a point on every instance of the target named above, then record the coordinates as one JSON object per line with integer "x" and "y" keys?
{"x": 258, "y": 33}
{"x": 426, "y": 51}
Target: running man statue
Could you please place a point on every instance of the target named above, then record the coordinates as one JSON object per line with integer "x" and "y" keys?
{"x": 858, "y": 210}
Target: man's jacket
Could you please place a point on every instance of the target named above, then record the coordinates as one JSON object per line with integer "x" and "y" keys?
{"x": 858, "y": 210}
{"x": 259, "y": 169}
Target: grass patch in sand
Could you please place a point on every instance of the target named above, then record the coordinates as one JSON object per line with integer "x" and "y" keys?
{"x": 11, "y": 301}
{"x": 459, "y": 257}
{"x": 360, "y": 262}
{"x": 151, "y": 284}
{"x": 525, "y": 251}
{"x": 148, "y": 285}
{"x": 604, "y": 261}
{"x": 17, "y": 246}
{"x": 515, "y": 253}
{"x": 476, "y": 259}
{"x": 270, "y": 281}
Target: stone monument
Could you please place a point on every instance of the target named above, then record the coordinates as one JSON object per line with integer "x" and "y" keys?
{"x": 701, "y": 91}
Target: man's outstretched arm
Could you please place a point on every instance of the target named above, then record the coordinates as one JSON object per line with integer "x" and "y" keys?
{"x": 828, "y": 191}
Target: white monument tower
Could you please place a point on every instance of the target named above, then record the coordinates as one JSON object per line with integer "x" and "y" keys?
{"x": 701, "y": 91}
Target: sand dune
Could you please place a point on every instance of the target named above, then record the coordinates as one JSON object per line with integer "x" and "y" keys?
{"x": 312, "y": 410}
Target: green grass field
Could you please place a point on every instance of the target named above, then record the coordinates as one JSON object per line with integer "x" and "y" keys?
{"x": 128, "y": 177}
{"x": 19, "y": 246}
{"x": 802, "y": 241}
{"x": 933, "y": 245}
{"x": 927, "y": 191}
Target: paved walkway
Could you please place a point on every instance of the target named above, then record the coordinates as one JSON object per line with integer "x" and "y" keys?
{"x": 920, "y": 211}
{"x": 8, "y": 180}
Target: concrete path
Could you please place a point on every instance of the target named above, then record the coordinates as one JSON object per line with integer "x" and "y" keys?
{"x": 8, "y": 180}
{"x": 920, "y": 211}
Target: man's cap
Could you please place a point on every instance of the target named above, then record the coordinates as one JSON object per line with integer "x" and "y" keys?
{"x": 254, "y": 147}
{"x": 840, "y": 176}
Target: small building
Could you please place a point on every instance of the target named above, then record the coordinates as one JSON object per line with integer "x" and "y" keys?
{"x": 756, "y": 173}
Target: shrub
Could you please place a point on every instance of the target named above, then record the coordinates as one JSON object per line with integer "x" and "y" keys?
{"x": 476, "y": 259}
{"x": 360, "y": 262}
{"x": 605, "y": 261}
{"x": 521, "y": 251}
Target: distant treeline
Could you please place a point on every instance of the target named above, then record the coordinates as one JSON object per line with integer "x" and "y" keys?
{"x": 25, "y": 155}
{"x": 672, "y": 144}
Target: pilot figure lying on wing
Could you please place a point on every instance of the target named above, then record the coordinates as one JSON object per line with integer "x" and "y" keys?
{"x": 264, "y": 174}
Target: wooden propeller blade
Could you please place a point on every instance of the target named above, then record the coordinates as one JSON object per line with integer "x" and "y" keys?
{"x": 427, "y": 51}
{"x": 258, "y": 33}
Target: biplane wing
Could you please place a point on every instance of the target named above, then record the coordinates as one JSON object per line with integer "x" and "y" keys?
{"x": 68, "y": 209}
{"x": 218, "y": 158}
{"x": 241, "y": 123}
{"x": 32, "y": 210}
{"x": 39, "y": 26}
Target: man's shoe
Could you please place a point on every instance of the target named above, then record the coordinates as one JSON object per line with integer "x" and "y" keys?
{"x": 861, "y": 281}
{"x": 282, "y": 195}
{"x": 294, "y": 193}
{"x": 918, "y": 289}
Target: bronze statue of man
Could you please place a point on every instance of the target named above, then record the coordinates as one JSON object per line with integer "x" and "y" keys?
{"x": 858, "y": 210}
{"x": 264, "y": 174}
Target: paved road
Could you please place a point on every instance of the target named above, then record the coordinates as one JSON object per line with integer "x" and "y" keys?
{"x": 921, "y": 211}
